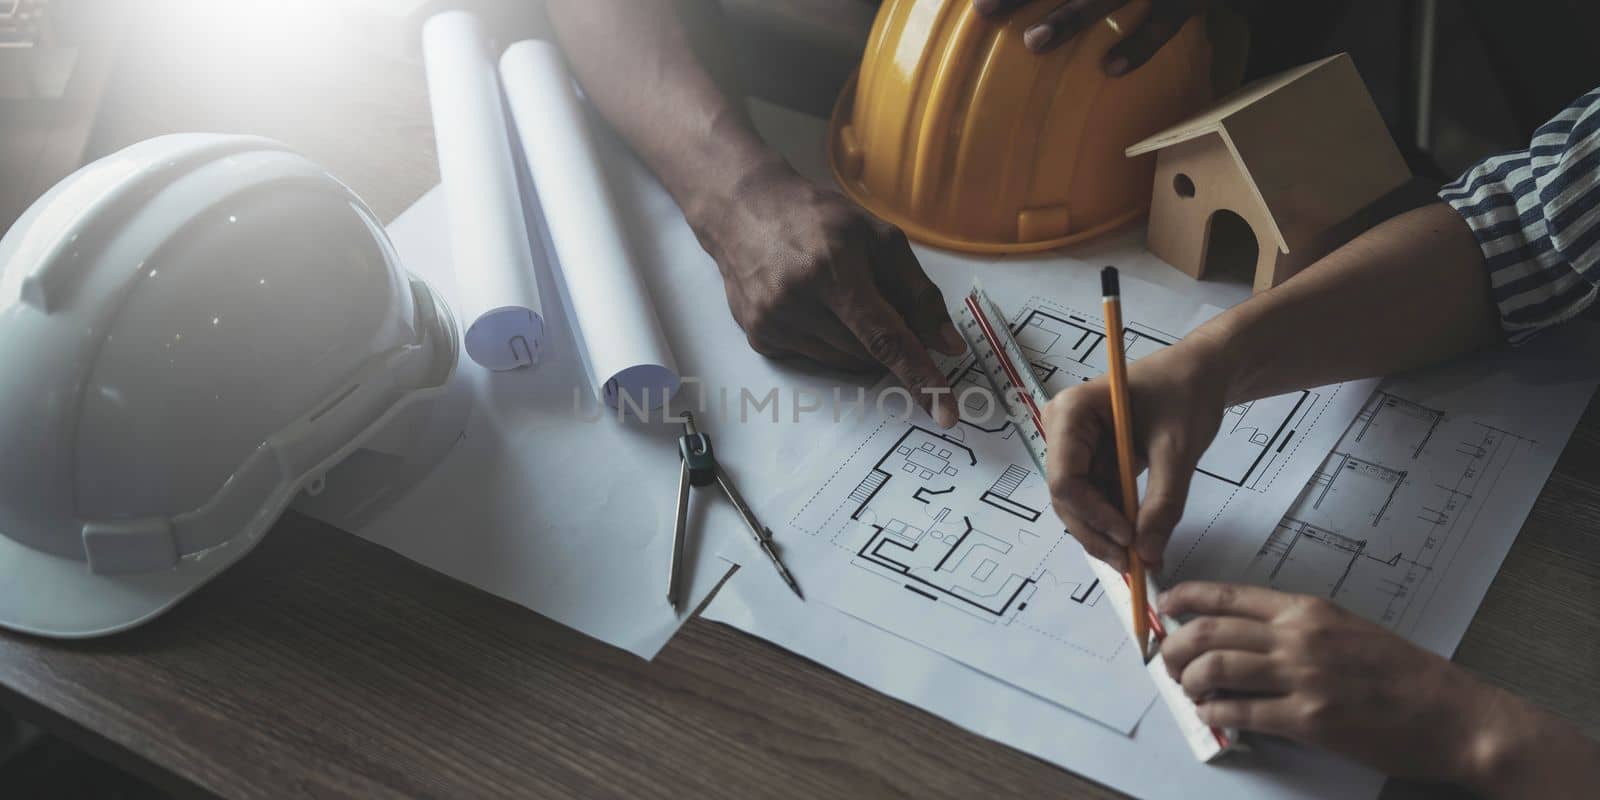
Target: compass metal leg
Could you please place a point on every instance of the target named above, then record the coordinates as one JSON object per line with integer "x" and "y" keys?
{"x": 679, "y": 533}
{"x": 762, "y": 534}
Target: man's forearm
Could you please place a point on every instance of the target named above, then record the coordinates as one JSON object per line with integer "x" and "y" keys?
{"x": 638, "y": 66}
{"x": 1405, "y": 294}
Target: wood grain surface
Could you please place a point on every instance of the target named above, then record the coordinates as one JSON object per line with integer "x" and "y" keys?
{"x": 325, "y": 666}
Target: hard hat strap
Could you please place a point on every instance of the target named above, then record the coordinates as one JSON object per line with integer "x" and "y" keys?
{"x": 277, "y": 469}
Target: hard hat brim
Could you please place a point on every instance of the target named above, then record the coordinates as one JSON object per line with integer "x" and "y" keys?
{"x": 47, "y": 595}
{"x": 924, "y": 234}
{"x": 43, "y": 594}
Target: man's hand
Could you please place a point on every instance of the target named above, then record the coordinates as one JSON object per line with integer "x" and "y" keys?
{"x": 1302, "y": 668}
{"x": 1178, "y": 399}
{"x": 1074, "y": 16}
{"x": 810, "y": 274}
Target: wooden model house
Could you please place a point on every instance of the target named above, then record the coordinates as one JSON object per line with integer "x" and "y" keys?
{"x": 1283, "y": 160}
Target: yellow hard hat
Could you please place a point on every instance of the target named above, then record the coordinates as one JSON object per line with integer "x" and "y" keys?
{"x": 957, "y": 133}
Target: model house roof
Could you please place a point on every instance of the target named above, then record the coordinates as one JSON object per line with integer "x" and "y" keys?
{"x": 1308, "y": 140}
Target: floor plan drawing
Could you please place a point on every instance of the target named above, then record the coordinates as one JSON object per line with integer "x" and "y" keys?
{"x": 1388, "y": 509}
{"x": 1255, "y": 435}
{"x": 941, "y": 553}
{"x": 985, "y": 558}
{"x": 948, "y": 536}
{"x": 954, "y": 527}
{"x": 1413, "y": 422}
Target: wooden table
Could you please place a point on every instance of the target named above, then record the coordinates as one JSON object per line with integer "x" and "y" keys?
{"x": 323, "y": 665}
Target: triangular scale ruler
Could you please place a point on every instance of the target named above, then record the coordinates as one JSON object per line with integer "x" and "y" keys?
{"x": 988, "y": 334}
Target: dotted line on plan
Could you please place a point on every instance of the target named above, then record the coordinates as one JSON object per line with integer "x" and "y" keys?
{"x": 1074, "y": 645}
{"x": 795, "y": 520}
{"x": 1198, "y": 539}
{"x": 1037, "y": 568}
{"x": 1314, "y": 422}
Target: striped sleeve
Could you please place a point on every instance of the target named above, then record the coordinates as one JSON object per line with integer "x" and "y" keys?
{"x": 1536, "y": 215}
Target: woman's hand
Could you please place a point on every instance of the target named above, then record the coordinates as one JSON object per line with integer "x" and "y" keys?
{"x": 808, "y": 273}
{"x": 1178, "y": 397}
{"x": 1074, "y": 16}
{"x": 1302, "y": 668}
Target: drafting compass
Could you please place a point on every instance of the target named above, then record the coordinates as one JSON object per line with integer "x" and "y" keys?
{"x": 700, "y": 468}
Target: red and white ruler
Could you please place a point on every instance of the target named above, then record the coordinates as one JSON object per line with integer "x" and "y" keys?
{"x": 1021, "y": 394}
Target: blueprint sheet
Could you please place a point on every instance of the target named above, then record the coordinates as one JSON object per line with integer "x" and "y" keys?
{"x": 1537, "y": 391}
{"x": 1501, "y": 422}
{"x": 947, "y": 537}
{"x": 1409, "y": 517}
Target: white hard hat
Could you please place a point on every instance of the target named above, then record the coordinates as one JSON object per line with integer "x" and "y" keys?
{"x": 192, "y": 330}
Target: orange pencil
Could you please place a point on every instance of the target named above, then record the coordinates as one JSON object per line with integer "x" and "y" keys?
{"x": 1122, "y": 421}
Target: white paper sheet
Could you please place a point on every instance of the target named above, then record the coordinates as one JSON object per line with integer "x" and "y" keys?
{"x": 619, "y": 338}
{"x": 1408, "y": 519}
{"x": 948, "y": 538}
{"x": 497, "y": 296}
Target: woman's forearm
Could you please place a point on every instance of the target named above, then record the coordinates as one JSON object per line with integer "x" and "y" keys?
{"x": 1523, "y": 751}
{"x": 1410, "y": 292}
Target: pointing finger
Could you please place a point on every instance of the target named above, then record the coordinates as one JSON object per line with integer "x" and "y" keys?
{"x": 1233, "y": 671}
{"x": 1074, "y": 429}
{"x": 1066, "y": 21}
{"x": 1165, "y": 494}
{"x": 834, "y": 334}
{"x": 824, "y": 353}
{"x": 1096, "y": 544}
{"x": 885, "y": 336}
{"x": 1207, "y": 634}
{"x": 1270, "y": 715}
{"x": 1165, "y": 20}
{"x": 994, "y": 8}
{"x": 902, "y": 280}
{"x": 1228, "y": 599}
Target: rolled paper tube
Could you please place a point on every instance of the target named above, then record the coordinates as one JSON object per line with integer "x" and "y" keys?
{"x": 614, "y": 322}
{"x": 498, "y": 293}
